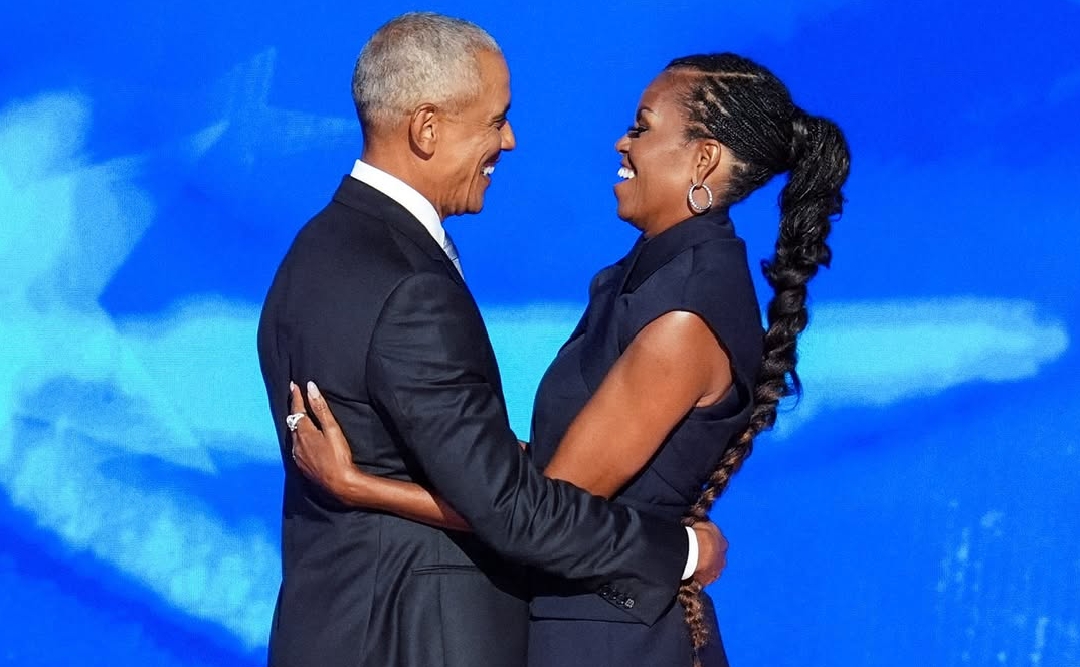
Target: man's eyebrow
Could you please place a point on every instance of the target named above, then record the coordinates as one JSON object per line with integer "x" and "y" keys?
{"x": 505, "y": 112}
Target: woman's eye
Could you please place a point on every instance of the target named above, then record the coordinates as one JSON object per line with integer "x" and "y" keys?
{"x": 634, "y": 131}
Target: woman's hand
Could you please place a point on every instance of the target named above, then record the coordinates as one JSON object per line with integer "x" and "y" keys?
{"x": 323, "y": 456}
{"x": 326, "y": 458}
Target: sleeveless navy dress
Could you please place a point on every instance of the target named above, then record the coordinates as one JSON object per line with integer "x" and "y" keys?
{"x": 699, "y": 265}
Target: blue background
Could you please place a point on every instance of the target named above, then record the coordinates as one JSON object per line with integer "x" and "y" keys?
{"x": 918, "y": 506}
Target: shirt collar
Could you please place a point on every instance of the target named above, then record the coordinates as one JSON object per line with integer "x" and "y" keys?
{"x": 404, "y": 194}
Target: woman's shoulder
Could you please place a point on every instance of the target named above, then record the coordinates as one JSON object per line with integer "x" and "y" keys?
{"x": 711, "y": 272}
{"x": 711, "y": 280}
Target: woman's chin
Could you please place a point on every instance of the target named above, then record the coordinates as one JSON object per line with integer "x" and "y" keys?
{"x": 621, "y": 208}
{"x": 629, "y": 218}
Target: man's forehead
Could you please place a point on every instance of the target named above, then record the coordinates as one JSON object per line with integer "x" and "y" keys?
{"x": 493, "y": 64}
{"x": 496, "y": 84}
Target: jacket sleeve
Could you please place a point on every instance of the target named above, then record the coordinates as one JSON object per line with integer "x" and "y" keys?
{"x": 428, "y": 375}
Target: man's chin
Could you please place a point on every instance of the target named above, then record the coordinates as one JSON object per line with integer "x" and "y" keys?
{"x": 468, "y": 208}
{"x": 476, "y": 204}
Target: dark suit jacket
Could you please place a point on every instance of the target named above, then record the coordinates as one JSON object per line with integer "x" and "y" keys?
{"x": 366, "y": 304}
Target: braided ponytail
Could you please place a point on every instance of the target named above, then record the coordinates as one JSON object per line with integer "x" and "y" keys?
{"x": 747, "y": 109}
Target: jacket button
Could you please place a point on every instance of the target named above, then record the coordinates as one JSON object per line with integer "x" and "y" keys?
{"x": 629, "y": 604}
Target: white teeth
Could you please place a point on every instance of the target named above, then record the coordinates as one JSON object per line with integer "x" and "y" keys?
{"x": 488, "y": 170}
{"x": 626, "y": 173}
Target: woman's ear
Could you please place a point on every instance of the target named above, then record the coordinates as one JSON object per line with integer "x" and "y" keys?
{"x": 707, "y": 158}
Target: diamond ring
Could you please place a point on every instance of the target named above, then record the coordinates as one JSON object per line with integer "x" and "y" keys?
{"x": 293, "y": 420}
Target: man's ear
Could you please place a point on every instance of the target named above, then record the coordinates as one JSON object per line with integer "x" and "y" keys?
{"x": 423, "y": 129}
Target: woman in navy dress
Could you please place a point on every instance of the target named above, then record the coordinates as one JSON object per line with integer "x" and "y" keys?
{"x": 656, "y": 398}
{"x": 676, "y": 271}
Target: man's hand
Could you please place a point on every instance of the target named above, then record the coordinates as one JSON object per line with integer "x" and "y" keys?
{"x": 712, "y": 552}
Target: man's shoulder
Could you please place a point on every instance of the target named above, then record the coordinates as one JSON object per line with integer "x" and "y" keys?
{"x": 354, "y": 242}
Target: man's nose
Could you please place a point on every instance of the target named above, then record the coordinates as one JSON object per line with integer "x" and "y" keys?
{"x": 508, "y": 140}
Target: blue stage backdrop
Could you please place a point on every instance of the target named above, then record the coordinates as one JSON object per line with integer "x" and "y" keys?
{"x": 919, "y": 506}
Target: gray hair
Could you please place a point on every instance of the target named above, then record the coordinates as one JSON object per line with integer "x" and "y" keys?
{"x": 418, "y": 57}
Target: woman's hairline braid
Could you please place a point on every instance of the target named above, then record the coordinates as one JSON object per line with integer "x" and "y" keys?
{"x": 740, "y": 184}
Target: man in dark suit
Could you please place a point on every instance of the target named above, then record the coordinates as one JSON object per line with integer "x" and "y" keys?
{"x": 370, "y": 302}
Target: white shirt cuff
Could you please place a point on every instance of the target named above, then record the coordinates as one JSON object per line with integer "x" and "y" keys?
{"x": 691, "y": 554}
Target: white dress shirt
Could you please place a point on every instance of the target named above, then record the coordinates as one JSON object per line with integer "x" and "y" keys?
{"x": 415, "y": 203}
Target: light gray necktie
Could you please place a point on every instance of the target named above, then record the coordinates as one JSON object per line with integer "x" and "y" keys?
{"x": 451, "y": 251}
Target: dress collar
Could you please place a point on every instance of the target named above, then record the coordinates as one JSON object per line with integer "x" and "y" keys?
{"x": 649, "y": 254}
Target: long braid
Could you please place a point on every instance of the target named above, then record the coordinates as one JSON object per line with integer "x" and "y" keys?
{"x": 747, "y": 109}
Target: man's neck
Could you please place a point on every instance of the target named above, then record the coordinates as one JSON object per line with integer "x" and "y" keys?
{"x": 399, "y": 167}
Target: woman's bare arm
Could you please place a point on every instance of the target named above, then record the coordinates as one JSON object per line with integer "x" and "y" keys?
{"x": 325, "y": 457}
{"x": 673, "y": 364}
